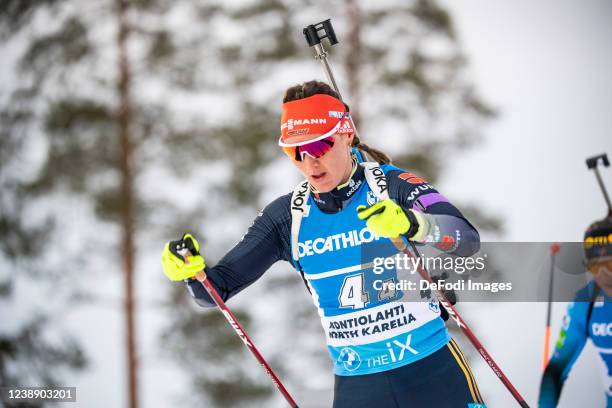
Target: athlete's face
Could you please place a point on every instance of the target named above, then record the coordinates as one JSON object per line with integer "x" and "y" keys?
{"x": 602, "y": 269}
{"x": 331, "y": 169}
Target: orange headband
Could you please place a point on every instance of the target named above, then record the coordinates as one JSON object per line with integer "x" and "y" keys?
{"x": 318, "y": 115}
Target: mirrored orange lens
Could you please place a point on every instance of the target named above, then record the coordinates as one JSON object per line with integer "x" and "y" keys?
{"x": 291, "y": 152}
{"x": 315, "y": 149}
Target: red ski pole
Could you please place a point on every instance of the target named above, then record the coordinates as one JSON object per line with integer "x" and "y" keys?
{"x": 463, "y": 326}
{"x": 201, "y": 277}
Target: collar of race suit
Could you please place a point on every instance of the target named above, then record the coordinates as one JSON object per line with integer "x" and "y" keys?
{"x": 335, "y": 200}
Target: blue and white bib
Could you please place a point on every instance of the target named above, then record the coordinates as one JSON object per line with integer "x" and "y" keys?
{"x": 368, "y": 330}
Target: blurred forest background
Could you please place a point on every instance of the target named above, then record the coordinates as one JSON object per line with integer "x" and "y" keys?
{"x": 125, "y": 123}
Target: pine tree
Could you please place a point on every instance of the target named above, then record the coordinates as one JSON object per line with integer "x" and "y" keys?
{"x": 29, "y": 355}
{"x": 82, "y": 121}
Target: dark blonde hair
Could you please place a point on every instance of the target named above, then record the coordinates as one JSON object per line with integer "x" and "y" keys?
{"x": 311, "y": 88}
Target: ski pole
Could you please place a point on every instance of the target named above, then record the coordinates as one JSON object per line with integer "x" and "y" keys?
{"x": 554, "y": 249}
{"x": 401, "y": 245}
{"x": 201, "y": 277}
{"x": 592, "y": 163}
{"x": 314, "y": 33}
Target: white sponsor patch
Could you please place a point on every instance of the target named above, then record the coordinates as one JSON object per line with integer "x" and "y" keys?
{"x": 376, "y": 324}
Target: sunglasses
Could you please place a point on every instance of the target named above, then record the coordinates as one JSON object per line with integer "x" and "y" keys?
{"x": 315, "y": 149}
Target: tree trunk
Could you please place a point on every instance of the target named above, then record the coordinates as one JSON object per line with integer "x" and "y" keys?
{"x": 127, "y": 199}
{"x": 353, "y": 57}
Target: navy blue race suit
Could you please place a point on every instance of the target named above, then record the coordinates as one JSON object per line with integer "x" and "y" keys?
{"x": 414, "y": 338}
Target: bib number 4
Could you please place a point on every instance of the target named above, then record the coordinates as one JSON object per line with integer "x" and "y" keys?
{"x": 352, "y": 293}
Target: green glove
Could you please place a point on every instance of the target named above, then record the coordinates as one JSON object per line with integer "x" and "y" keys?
{"x": 178, "y": 267}
{"x": 387, "y": 219}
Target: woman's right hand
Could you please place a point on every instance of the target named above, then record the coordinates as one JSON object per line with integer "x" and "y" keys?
{"x": 181, "y": 259}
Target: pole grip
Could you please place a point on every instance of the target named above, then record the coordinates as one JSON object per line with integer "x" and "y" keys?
{"x": 314, "y": 33}
{"x": 591, "y": 162}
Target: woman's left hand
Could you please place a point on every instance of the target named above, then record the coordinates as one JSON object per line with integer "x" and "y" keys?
{"x": 389, "y": 220}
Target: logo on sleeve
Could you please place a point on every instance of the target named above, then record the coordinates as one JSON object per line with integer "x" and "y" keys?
{"x": 446, "y": 243}
{"x": 412, "y": 178}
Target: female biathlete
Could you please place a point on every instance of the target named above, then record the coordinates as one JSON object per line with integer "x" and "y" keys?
{"x": 588, "y": 316}
{"x": 386, "y": 352}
